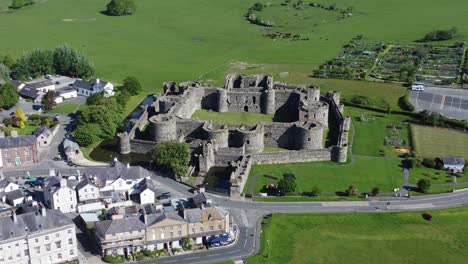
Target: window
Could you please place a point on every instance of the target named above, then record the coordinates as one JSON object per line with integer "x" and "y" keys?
{"x": 71, "y": 252}
{"x": 193, "y": 230}
{"x": 254, "y": 99}
{"x": 28, "y": 158}
{"x": 179, "y": 233}
{"x": 58, "y": 244}
{"x": 26, "y": 252}
{"x": 18, "y": 255}
{"x": 69, "y": 231}
{"x": 219, "y": 227}
{"x": 37, "y": 250}
{"x": 59, "y": 256}
{"x": 47, "y": 247}
{"x": 17, "y": 245}
{"x": 57, "y": 235}
{"x": 10, "y": 258}
{"x": 201, "y": 228}
{"x": 36, "y": 240}
{"x": 70, "y": 241}
{"x": 171, "y": 234}
{"x": 85, "y": 190}
{"x": 211, "y": 228}
{"x": 46, "y": 237}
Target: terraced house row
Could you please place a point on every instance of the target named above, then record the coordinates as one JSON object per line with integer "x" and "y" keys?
{"x": 155, "y": 229}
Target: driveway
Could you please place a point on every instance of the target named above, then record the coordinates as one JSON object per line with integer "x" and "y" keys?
{"x": 449, "y": 102}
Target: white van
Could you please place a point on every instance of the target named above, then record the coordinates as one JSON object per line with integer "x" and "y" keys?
{"x": 417, "y": 87}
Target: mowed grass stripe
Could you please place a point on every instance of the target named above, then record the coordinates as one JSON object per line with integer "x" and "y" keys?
{"x": 434, "y": 142}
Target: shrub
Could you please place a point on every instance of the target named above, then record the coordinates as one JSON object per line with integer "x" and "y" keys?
{"x": 139, "y": 256}
{"x": 121, "y": 7}
{"x": 405, "y": 104}
{"x": 424, "y": 185}
{"x": 429, "y": 163}
{"x": 17, "y": 4}
{"x": 439, "y": 35}
{"x": 287, "y": 185}
{"x": 375, "y": 191}
{"x": 351, "y": 191}
{"x": 113, "y": 259}
{"x": 257, "y": 6}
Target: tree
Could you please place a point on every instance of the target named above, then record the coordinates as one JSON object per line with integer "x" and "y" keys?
{"x": 132, "y": 85}
{"x": 351, "y": 191}
{"x": 375, "y": 191}
{"x": 35, "y": 63}
{"x": 17, "y": 4}
{"x": 287, "y": 185}
{"x": 68, "y": 61}
{"x": 429, "y": 163}
{"x": 4, "y": 72}
{"x": 87, "y": 134}
{"x": 424, "y": 185}
{"x": 95, "y": 99}
{"x": 48, "y": 101}
{"x": 106, "y": 114}
{"x": 19, "y": 113}
{"x": 316, "y": 191}
{"x": 9, "y": 61}
{"x": 121, "y": 7}
{"x": 188, "y": 243}
{"x": 257, "y": 6}
{"x": 9, "y": 95}
{"x": 172, "y": 155}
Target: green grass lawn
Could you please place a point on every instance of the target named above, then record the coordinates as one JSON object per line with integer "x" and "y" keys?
{"x": 371, "y": 133}
{"x": 65, "y": 109}
{"x": 27, "y": 130}
{"x": 385, "y": 238}
{"x": 435, "y": 176}
{"x": 232, "y": 117}
{"x": 432, "y": 142}
{"x": 331, "y": 177}
{"x": 204, "y": 36}
{"x": 307, "y": 199}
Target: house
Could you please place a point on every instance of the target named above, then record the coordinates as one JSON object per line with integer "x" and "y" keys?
{"x": 15, "y": 198}
{"x": 204, "y": 223}
{"x": 144, "y": 193}
{"x": 86, "y": 190}
{"x": 85, "y": 88}
{"x": 71, "y": 149}
{"x": 67, "y": 93}
{"x": 17, "y": 150}
{"x": 120, "y": 236}
{"x": 19, "y": 84}
{"x": 36, "y": 90}
{"x": 43, "y": 236}
{"x": 8, "y": 186}
{"x": 44, "y": 136}
{"x": 165, "y": 229}
{"x": 60, "y": 195}
{"x": 453, "y": 163}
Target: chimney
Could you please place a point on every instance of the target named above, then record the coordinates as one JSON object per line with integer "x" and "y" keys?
{"x": 63, "y": 182}
{"x": 13, "y": 216}
{"x": 2, "y": 134}
{"x": 43, "y": 209}
{"x": 14, "y": 133}
{"x": 128, "y": 165}
{"x": 201, "y": 190}
{"x": 145, "y": 217}
{"x": 51, "y": 172}
{"x": 97, "y": 81}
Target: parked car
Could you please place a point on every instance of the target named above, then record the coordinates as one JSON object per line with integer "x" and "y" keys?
{"x": 49, "y": 77}
{"x": 57, "y": 82}
{"x": 165, "y": 195}
{"x": 427, "y": 216}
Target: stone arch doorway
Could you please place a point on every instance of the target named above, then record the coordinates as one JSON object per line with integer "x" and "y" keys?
{"x": 246, "y": 108}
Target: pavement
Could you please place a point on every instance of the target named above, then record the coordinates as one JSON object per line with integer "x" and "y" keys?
{"x": 449, "y": 102}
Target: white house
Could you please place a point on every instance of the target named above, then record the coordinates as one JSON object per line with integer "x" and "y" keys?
{"x": 44, "y": 136}
{"x": 35, "y": 90}
{"x": 67, "y": 93}
{"x": 86, "y": 190}
{"x": 14, "y": 198}
{"x": 454, "y": 163}
{"x": 144, "y": 193}
{"x": 94, "y": 86}
{"x": 7, "y": 186}
{"x": 59, "y": 195}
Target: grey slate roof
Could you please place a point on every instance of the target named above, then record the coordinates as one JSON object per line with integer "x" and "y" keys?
{"x": 127, "y": 224}
{"x": 70, "y": 146}
{"x": 89, "y": 85}
{"x": 146, "y": 184}
{"x": 115, "y": 171}
{"x": 65, "y": 90}
{"x": 13, "y": 195}
{"x": 161, "y": 215}
{"x": 4, "y": 183}
{"x": 17, "y": 142}
{"x": 453, "y": 160}
{"x": 199, "y": 199}
{"x": 85, "y": 181}
{"x": 42, "y": 130}
{"x": 30, "y": 223}
{"x": 16, "y": 83}
{"x": 39, "y": 85}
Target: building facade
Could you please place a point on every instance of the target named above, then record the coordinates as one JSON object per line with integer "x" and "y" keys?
{"x": 16, "y": 151}
{"x": 44, "y": 236}
{"x": 59, "y": 195}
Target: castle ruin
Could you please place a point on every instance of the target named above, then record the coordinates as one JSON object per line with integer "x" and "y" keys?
{"x": 302, "y": 115}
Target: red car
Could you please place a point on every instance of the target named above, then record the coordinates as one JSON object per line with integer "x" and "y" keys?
{"x": 427, "y": 216}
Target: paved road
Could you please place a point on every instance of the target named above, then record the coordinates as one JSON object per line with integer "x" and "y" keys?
{"x": 451, "y": 103}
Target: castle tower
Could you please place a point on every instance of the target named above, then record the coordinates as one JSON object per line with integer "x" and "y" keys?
{"x": 270, "y": 104}
{"x": 308, "y": 136}
{"x": 313, "y": 94}
{"x": 222, "y": 100}
{"x": 163, "y": 128}
{"x": 219, "y": 135}
{"x": 124, "y": 143}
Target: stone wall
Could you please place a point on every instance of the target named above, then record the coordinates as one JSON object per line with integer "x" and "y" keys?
{"x": 292, "y": 156}
{"x": 141, "y": 146}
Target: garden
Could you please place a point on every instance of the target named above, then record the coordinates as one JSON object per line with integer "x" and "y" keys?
{"x": 433, "y": 142}
{"x": 409, "y": 237}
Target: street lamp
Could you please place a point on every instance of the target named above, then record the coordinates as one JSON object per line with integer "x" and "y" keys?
{"x": 268, "y": 247}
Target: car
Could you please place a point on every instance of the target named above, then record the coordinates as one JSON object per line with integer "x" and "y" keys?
{"x": 165, "y": 195}
{"x": 49, "y": 77}
{"x": 57, "y": 158}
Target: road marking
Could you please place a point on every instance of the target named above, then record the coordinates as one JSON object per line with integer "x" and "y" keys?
{"x": 411, "y": 206}
{"x": 432, "y": 102}
{"x": 213, "y": 255}
{"x": 171, "y": 260}
{"x": 442, "y": 101}
{"x": 245, "y": 243}
{"x": 192, "y": 258}
{"x": 459, "y": 106}
{"x": 344, "y": 204}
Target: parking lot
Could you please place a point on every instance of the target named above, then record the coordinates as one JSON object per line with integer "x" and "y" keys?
{"x": 449, "y": 102}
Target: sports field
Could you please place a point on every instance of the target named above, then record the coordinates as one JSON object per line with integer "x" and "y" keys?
{"x": 180, "y": 39}
{"x": 331, "y": 177}
{"x": 384, "y": 238}
{"x": 432, "y": 142}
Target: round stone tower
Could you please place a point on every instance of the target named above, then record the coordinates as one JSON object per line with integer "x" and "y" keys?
{"x": 217, "y": 133}
{"x": 318, "y": 111}
{"x": 222, "y": 100}
{"x": 313, "y": 94}
{"x": 253, "y": 139}
{"x": 163, "y": 128}
{"x": 270, "y": 104}
{"x": 124, "y": 143}
{"x": 308, "y": 135}
{"x": 164, "y": 106}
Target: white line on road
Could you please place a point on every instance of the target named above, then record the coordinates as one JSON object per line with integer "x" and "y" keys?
{"x": 344, "y": 204}
{"x": 411, "y": 206}
{"x": 192, "y": 258}
{"x": 211, "y": 255}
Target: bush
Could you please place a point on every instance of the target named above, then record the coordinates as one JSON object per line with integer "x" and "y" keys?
{"x": 121, "y": 7}
{"x": 405, "y": 104}
{"x": 375, "y": 191}
{"x": 87, "y": 134}
{"x": 428, "y": 163}
{"x": 351, "y": 191}
{"x": 139, "y": 256}
{"x": 17, "y": 4}
{"x": 257, "y": 6}
{"x": 439, "y": 35}
{"x": 287, "y": 185}
{"x": 132, "y": 85}
{"x": 424, "y": 185}
{"x": 113, "y": 259}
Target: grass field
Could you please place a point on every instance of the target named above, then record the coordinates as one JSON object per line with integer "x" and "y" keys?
{"x": 232, "y": 117}
{"x": 432, "y": 142}
{"x": 385, "y": 238}
{"x": 65, "y": 109}
{"x": 435, "y": 176}
{"x": 371, "y": 133}
{"x": 330, "y": 177}
{"x": 180, "y": 40}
